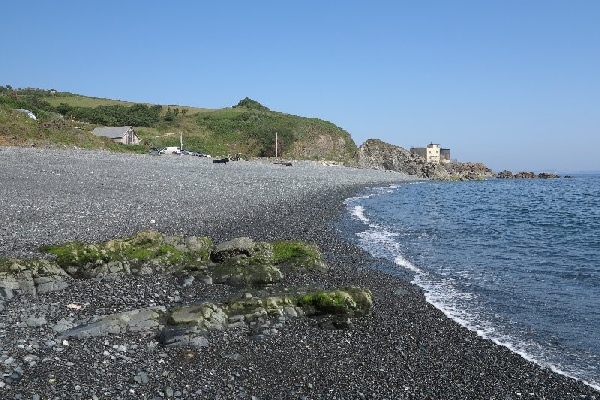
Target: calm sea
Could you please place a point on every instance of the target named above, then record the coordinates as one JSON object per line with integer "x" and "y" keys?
{"x": 517, "y": 261}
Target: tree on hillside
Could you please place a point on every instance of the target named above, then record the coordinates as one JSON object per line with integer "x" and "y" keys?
{"x": 113, "y": 115}
{"x": 251, "y": 104}
{"x": 171, "y": 115}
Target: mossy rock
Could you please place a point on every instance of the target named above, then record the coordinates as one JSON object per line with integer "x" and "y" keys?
{"x": 145, "y": 252}
{"x": 206, "y": 316}
{"x": 5, "y": 264}
{"x": 349, "y": 301}
{"x": 298, "y": 255}
{"x": 242, "y": 272}
{"x": 30, "y": 277}
{"x": 239, "y": 262}
{"x": 256, "y": 304}
{"x": 34, "y": 267}
{"x": 243, "y": 248}
{"x": 243, "y": 262}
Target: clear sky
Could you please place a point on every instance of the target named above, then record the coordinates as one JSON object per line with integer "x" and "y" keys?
{"x": 514, "y": 84}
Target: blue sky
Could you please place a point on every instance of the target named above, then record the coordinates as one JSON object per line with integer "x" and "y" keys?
{"x": 514, "y": 84}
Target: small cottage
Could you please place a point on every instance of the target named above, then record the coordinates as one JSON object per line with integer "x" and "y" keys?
{"x": 119, "y": 134}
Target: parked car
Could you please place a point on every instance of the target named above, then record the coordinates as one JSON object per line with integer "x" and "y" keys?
{"x": 170, "y": 150}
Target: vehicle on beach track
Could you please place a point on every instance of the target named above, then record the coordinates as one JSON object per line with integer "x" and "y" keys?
{"x": 170, "y": 150}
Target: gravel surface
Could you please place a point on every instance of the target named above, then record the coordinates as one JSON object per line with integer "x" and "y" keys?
{"x": 405, "y": 349}
{"x": 51, "y": 196}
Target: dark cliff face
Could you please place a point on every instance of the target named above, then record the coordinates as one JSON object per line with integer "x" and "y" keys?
{"x": 376, "y": 154}
{"x": 335, "y": 145}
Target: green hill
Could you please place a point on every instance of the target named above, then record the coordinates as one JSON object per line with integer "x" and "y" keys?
{"x": 249, "y": 128}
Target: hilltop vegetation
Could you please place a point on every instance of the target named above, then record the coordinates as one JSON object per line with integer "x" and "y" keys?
{"x": 249, "y": 128}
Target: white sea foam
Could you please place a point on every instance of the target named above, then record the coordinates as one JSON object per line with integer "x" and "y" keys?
{"x": 404, "y": 263}
{"x": 378, "y": 242}
{"x": 443, "y": 292}
{"x": 445, "y": 296}
{"x": 359, "y": 213}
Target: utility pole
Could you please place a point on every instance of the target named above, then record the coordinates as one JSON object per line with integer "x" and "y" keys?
{"x": 180, "y": 141}
{"x": 275, "y": 144}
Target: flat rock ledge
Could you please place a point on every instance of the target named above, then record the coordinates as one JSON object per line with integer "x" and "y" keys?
{"x": 241, "y": 263}
{"x": 188, "y": 325}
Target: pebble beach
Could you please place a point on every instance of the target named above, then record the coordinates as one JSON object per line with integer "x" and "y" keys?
{"x": 404, "y": 349}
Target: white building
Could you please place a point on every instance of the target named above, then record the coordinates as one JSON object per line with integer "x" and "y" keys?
{"x": 432, "y": 153}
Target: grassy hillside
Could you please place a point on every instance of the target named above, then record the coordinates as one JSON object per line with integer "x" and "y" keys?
{"x": 249, "y": 128}
{"x": 50, "y": 130}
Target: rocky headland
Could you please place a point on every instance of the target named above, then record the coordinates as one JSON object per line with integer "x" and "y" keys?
{"x": 141, "y": 277}
{"x": 376, "y": 154}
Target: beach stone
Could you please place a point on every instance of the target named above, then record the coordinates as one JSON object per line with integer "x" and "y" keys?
{"x": 242, "y": 246}
{"x": 14, "y": 284}
{"x": 207, "y": 316}
{"x": 290, "y": 312}
{"x": 198, "y": 245}
{"x": 63, "y": 325}
{"x": 36, "y": 321}
{"x": 232, "y": 248}
{"x": 174, "y": 336}
{"x": 45, "y": 284}
{"x": 30, "y": 277}
{"x": 142, "y": 320}
{"x": 141, "y": 378}
{"x": 241, "y": 272}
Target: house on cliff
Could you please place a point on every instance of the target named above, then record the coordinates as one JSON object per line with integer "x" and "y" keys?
{"x": 118, "y": 134}
{"x": 432, "y": 153}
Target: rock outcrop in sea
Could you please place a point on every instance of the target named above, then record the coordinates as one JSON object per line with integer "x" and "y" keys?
{"x": 526, "y": 175}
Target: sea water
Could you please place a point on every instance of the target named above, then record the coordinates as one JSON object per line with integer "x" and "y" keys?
{"x": 517, "y": 261}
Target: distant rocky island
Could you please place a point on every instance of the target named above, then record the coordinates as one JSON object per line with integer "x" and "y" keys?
{"x": 527, "y": 175}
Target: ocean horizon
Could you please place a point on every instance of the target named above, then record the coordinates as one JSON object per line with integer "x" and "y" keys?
{"x": 517, "y": 260}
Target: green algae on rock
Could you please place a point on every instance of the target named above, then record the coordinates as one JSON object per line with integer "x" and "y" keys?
{"x": 238, "y": 262}
{"x": 243, "y": 262}
{"x": 350, "y": 301}
{"x": 145, "y": 252}
{"x": 187, "y": 325}
{"x": 298, "y": 255}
